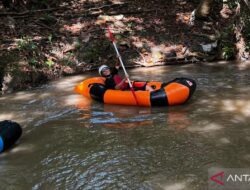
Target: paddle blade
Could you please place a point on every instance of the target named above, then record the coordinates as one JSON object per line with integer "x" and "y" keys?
{"x": 110, "y": 34}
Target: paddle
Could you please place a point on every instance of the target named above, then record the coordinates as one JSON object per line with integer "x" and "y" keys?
{"x": 121, "y": 62}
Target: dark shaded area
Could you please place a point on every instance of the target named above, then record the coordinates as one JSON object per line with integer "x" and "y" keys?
{"x": 23, "y": 5}
{"x": 50, "y": 39}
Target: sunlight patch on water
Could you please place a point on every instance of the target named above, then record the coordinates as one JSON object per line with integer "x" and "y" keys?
{"x": 45, "y": 95}
{"x": 237, "y": 106}
{"x": 247, "y": 157}
{"x": 3, "y": 98}
{"x": 23, "y": 96}
{"x": 68, "y": 83}
{"x": 6, "y": 116}
{"x": 207, "y": 128}
{"x": 224, "y": 140}
{"x": 238, "y": 118}
{"x": 21, "y": 117}
{"x": 22, "y": 148}
{"x": 176, "y": 186}
{"x": 16, "y": 149}
{"x": 217, "y": 63}
{"x": 244, "y": 66}
{"x": 79, "y": 101}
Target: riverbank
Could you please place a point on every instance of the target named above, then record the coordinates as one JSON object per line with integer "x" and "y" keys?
{"x": 38, "y": 46}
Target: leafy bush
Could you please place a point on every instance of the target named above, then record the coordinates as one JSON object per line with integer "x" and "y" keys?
{"x": 26, "y": 43}
{"x": 49, "y": 63}
{"x": 228, "y": 53}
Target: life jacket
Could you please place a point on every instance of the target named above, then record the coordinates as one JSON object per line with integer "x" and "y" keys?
{"x": 113, "y": 80}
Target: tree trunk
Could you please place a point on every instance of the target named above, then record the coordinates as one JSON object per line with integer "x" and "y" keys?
{"x": 242, "y": 53}
{"x": 204, "y": 8}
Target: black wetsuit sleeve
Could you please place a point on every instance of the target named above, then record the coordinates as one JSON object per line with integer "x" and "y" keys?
{"x": 114, "y": 71}
{"x": 109, "y": 82}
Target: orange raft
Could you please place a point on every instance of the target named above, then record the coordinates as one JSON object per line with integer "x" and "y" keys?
{"x": 177, "y": 91}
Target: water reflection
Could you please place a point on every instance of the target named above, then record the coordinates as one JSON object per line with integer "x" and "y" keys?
{"x": 114, "y": 116}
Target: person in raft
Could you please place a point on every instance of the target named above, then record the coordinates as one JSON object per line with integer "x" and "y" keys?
{"x": 115, "y": 81}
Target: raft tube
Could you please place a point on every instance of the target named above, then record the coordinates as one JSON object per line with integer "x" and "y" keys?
{"x": 177, "y": 91}
{"x": 9, "y": 133}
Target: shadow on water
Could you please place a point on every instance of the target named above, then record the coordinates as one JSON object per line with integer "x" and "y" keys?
{"x": 71, "y": 142}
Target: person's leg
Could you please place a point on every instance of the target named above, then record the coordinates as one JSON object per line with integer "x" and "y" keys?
{"x": 149, "y": 88}
{"x": 142, "y": 86}
{"x": 139, "y": 86}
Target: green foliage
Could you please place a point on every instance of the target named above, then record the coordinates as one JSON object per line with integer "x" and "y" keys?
{"x": 26, "y": 43}
{"x": 246, "y": 34}
{"x": 93, "y": 51}
{"x": 228, "y": 42}
{"x": 48, "y": 19}
{"x": 28, "y": 49}
{"x": 228, "y": 53}
{"x": 118, "y": 37}
{"x": 50, "y": 38}
{"x": 232, "y": 4}
{"x": 68, "y": 59}
{"x": 131, "y": 24}
{"x": 49, "y": 63}
{"x": 33, "y": 62}
{"x": 77, "y": 44}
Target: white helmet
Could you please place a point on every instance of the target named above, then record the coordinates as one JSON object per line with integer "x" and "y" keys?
{"x": 101, "y": 68}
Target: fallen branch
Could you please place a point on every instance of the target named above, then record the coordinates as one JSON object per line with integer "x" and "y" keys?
{"x": 212, "y": 37}
{"x": 104, "y": 6}
{"x": 43, "y": 25}
{"x": 247, "y": 3}
{"x": 133, "y": 12}
{"x": 84, "y": 15}
{"x": 29, "y": 12}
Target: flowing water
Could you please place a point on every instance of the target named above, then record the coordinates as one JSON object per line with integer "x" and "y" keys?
{"x": 70, "y": 142}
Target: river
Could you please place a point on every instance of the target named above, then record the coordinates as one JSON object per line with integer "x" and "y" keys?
{"x": 70, "y": 142}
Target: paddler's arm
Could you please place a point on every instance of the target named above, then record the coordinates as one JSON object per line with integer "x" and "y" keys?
{"x": 118, "y": 86}
{"x": 120, "y": 82}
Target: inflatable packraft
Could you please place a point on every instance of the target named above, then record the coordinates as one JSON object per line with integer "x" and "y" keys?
{"x": 177, "y": 91}
{"x": 9, "y": 133}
